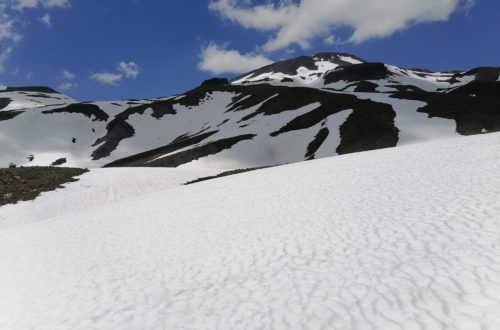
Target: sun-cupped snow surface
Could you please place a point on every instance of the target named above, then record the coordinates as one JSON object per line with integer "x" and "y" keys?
{"x": 96, "y": 188}
{"x": 402, "y": 238}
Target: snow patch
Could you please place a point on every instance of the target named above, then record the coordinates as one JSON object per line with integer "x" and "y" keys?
{"x": 349, "y": 59}
{"x": 329, "y": 146}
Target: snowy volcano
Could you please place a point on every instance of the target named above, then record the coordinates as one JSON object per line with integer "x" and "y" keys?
{"x": 300, "y": 109}
{"x": 396, "y": 238}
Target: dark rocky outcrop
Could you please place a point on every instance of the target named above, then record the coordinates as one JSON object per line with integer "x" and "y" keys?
{"x": 291, "y": 66}
{"x": 117, "y": 130}
{"x": 23, "y": 184}
{"x": 59, "y": 161}
{"x": 481, "y": 75}
{"x": 86, "y": 109}
{"x": 365, "y": 87}
{"x": 6, "y": 115}
{"x": 475, "y": 107}
{"x": 159, "y": 109}
{"x": 368, "y": 128}
{"x": 332, "y": 103}
{"x": 186, "y": 156}
{"x": 358, "y": 72}
{"x": 315, "y": 144}
{"x": 4, "y": 102}
{"x": 287, "y": 67}
{"x": 195, "y": 153}
{"x": 38, "y": 89}
{"x": 143, "y": 158}
{"x": 215, "y": 82}
{"x": 227, "y": 173}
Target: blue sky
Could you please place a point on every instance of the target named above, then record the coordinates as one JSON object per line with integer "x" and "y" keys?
{"x": 115, "y": 49}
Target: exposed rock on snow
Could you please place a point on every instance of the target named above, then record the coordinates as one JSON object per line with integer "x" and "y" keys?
{"x": 283, "y": 106}
{"x": 21, "y": 184}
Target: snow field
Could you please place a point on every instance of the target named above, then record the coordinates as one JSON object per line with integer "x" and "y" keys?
{"x": 97, "y": 188}
{"x": 402, "y": 238}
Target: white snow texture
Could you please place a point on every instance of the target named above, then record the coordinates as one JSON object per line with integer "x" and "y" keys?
{"x": 402, "y": 238}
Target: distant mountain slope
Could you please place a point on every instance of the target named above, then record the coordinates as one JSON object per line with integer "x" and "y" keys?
{"x": 16, "y": 98}
{"x": 294, "y": 110}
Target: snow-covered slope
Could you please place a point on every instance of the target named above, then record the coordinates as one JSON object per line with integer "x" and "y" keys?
{"x": 31, "y": 97}
{"x": 290, "y": 111}
{"x": 396, "y": 238}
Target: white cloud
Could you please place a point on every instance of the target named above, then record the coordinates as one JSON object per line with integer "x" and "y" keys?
{"x": 4, "y": 56}
{"x": 7, "y": 27}
{"x": 299, "y": 22}
{"x": 7, "y": 31}
{"x": 124, "y": 70}
{"x": 68, "y": 75}
{"x": 216, "y": 59}
{"x": 66, "y": 86}
{"x": 107, "y": 78}
{"x": 129, "y": 69}
{"x": 330, "y": 40}
{"x": 23, "y": 4}
{"x": 46, "y": 19}
{"x": 12, "y": 19}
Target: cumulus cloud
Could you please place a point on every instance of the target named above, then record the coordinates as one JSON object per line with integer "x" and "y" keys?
{"x": 217, "y": 59}
{"x": 7, "y": 31}
{"x": 300, "y": 22}
{"x": 13, "y": 18}
{"x": 68, "y": 78}
{"x": 46, "y": 19}
{"x": 23, "y": 4}
{"x": 68, "y": 75}
{"x": 124, "y": 70}
{"x": 129, "y": 69}
{"x": 330, "y": 40}
{"x": 107, "y": 78}
{"x": 7, "y": 28}
{"x": 11, "y": 15}
{"x": 66, "y": 86}
{"x": 4, "y": 56}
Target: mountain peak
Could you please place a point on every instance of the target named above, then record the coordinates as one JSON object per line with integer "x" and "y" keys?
{"x": 310, "y": 67}
{"x": 338, "y": 58}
